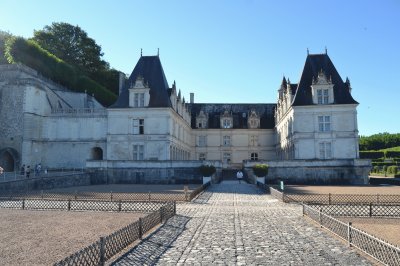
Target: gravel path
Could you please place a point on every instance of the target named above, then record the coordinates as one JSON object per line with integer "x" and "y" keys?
{"x": 232, "y": 224}
{"x": 45, "y": 237}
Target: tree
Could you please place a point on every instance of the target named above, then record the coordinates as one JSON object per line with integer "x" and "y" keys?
{"x": 72, "y": 44}
{"x": 3, "y": 38}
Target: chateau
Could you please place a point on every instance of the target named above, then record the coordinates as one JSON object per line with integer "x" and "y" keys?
{"x": 152, "y": 133}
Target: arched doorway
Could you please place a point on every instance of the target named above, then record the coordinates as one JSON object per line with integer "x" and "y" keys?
{"x": 9, "y": 159}
{"x": 97, "y": 153}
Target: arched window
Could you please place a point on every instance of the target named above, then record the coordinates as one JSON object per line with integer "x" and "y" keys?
{"x": 97, "y": 153}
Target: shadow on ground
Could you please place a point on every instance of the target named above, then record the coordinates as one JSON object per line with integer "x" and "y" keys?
{"x": 151, "y": 248}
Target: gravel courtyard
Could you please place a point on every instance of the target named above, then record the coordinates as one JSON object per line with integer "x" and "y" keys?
{"x": 45, "y": 237}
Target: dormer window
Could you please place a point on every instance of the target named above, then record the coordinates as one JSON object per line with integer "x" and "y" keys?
{"x": 139, "y": 93}
{"x": 201, "y": 120}
{"x": 226, "y": 120}
{"x": 254, "y": 120}
{"x": 322, "y": 89}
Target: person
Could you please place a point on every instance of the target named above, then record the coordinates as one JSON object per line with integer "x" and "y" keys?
{"x": 28, "y": 171}
{"x": 22, "y": 170}
{"x": 1, "y": 170}
{"x": 239, "y": 175}
{"x": 39, "y": 168}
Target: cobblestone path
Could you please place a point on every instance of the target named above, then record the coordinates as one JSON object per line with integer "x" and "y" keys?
{"x": 236, "y": 224}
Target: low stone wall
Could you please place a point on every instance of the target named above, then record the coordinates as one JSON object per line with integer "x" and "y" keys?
{"x": 315, "y": 171}
{"x": 43, "y": 183}
{"x": 148, "y": 172}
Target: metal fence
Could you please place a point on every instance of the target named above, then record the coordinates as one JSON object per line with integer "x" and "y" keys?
{"x": 342, "y": 198}
{"x": 109, "y": 196}
{"x": 105, "y": 248}
{"x": 359, "y": 210}
{"x": 81, "y": 205}
{"x": 379, "y": 249}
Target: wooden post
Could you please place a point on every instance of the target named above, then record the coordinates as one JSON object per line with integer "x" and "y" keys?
{"x": 377, "y": 198}
{"x": 149, "y": 196}
{"x": 329, "y": 199}
{"x": 119, "y": 205}
{"x": 370, "y": 209}
{"x": 111, "y": 195}
{"x": 69, "y": 204}
{"x": 102, "y": 251}
{"x": 140, "y": 229}
{"x": 23, "y": 204}
{"x": 349, "y": 233}
{"x": 320, "y": 217}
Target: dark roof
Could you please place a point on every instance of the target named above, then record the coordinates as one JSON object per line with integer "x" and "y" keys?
{"x": 314, "y": 64}
{"x": 293, "y": 88}
{"x": 240, "y": 113}
{"x": 150, "y": 68}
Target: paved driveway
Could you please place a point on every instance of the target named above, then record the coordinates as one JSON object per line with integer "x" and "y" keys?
{"x": 236, "y": 224}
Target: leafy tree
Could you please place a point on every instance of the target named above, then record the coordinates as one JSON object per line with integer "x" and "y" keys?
{"x": 73, "y": 45}
{"x": 379, "y": 141}
{"x": 3, "y": 38}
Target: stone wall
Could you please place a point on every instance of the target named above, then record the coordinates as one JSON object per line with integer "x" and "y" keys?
{"x": 147, "y": 172}
{"x": 43, "y": 183}
{"x": 351, "y": 171}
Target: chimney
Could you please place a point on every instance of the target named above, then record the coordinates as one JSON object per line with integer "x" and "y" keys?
{"x": 121, "y": 82}
{"x": 191, "y": 97}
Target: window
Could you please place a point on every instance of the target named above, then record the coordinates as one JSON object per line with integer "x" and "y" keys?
{"x": 324, "y": 123}
{"x": 138, "y": 100}
{"x": 138, "y": 152}
{"x": 254, "y": 156}
{"x": 227, "y": 157}
{"x": 323, "y": 96}
{"x": 138, "y": 126}
{"x": 227, "y": 123}
{"x": 202, "y": 141}
{"x": 200, "y": 125}
{"x": 227, "y": 140}
{"x": 325, "y": 150}
{"x": 253, "y": 140}
{"x": 202, "y": 156}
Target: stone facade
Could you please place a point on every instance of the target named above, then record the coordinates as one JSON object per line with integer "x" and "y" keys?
{"x": 151, "y": 122}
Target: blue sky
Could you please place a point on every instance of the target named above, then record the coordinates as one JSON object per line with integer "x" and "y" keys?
{"x": 238, "y": 51}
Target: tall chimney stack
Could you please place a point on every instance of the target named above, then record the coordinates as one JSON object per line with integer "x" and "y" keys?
{"x": 191, "y": 97}
{"x": 121, "y": 82}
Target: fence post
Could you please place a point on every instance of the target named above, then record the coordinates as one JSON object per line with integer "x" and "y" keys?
{"x": 23, "y": 204}
{"x": 140, "y": 229}
{"x": 302, "y": 204}
{"x": 174, "y": 207}
{"x": 119, "y": 205}
{"x": 76, "y": 194}
{"x": 320, "y": 217}
{"x": 329, "y": 199}
{"x": 149, "y": 196}
{"x": 161, "y": 214}
{"x": 41, "y": 193}
{"x": 186, "y": 195}
{"x": 69, "y": 204}
{"x": 102, "y": 251}
{"x": 377, "y": 198}
{"x": 349, "y": 233}
{"x": 111, "y": 195}
{"x": 370, "y": 209}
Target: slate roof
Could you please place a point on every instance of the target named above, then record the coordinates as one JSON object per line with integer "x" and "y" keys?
{"x": 150, "y": 68}
{"x": 314, "y": 64}
{"x": 240, "y": 113}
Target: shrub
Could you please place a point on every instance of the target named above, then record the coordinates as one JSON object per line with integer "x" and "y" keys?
{"x": 371, "y": 154}
{"x": 207, "y": 170}
{"x": 260, "y": 170}
{"x": 376, "y": 169}
{"x": 384, "y": 169}
{"x": 392, "y": 154}
{"x": 392, "y": 169}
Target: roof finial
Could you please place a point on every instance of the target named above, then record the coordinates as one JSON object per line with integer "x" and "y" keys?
{"x": 141, "y": 52}
{"x": 308, "y": 52}
{"x": 326, "y": 50}
{"x": 158, "y": 51}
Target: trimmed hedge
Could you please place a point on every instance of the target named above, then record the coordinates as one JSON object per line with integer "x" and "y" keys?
{"x": 392, "y": 154}
{"x": 260, "y": 170}
{"x": 207, "y": 170}
{"x": 28, "y": 52}
{"x": 371, "y": 154}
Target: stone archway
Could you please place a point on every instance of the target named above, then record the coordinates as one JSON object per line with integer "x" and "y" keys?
{"x": 97, "y": 153}
{"x": 9, "y": 159}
